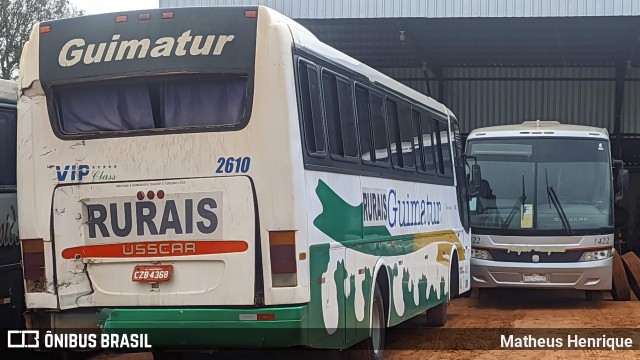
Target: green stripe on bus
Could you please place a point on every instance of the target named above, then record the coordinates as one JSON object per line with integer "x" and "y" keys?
{"x": 211, "y": 328}
{"x": 344, "y": 223}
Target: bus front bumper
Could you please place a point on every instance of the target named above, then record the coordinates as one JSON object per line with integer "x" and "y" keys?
{"x": 588, "y": 275}
{"x": 202, "y": 328}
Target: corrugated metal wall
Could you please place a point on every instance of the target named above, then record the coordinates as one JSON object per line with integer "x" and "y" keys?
{"x": 326, "y": 9}
{"x": 496, "y": 96}
{"x": 631, "y": 105}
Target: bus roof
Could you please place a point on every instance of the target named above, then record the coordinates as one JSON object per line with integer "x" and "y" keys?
{"x": 306, "y": 40}
{"x": 8, "y": 90}
{"x": 539, "y": 129}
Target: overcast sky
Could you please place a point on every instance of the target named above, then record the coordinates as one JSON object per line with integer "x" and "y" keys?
{"x": 106, "y": 6}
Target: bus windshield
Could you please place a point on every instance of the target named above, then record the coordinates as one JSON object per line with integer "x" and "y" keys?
{"x": 541, "y": 184}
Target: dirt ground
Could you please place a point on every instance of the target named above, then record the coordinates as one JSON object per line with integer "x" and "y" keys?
{"x": 505, "y": 310}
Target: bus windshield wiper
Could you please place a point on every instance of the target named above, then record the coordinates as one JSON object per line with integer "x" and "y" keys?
{"x": 553, "y": 197}
{"x": 515, "y": 207}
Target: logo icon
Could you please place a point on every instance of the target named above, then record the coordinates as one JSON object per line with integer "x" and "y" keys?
{"x": 20, "y": 339}
{"x": 535, "y": 258}
{"x": 72, "y": 171}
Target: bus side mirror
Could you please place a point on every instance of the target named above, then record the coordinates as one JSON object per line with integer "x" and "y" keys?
{"x": 620, "y": 179}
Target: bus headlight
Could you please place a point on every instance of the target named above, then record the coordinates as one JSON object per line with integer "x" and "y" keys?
{"x": 480, "y": 254}
{"x": 596, "y": 255}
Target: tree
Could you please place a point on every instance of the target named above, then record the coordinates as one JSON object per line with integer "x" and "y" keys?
{"x": 17, "y": 18}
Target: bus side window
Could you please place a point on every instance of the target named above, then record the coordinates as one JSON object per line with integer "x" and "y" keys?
{"x": 379, "y": 127}
{"x": 339, "y": 112}
{"x": 437, "y": 144}
{"x": 447, "y": 164}
{"x": 364, "y": 124}
{"x": 8, "y": 147}
{"x": 418, "y": 144}
{"x": 429, "y": 143}
{"x": 463, "y": 190}
{"x": 398, "y": 116}
{"x": 311, "y": 109}
{"x": 373, "y": 130}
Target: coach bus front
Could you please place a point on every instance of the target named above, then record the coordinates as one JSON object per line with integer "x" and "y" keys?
{"x": 145, "y": 141}
{"x": 543, "y": 213}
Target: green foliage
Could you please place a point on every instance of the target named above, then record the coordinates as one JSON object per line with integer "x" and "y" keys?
{"x": 17, "y": 18}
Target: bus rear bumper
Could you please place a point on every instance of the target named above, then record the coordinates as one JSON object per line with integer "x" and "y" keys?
{"x": 206, "y": 329}
{"x": 588, "y": 275}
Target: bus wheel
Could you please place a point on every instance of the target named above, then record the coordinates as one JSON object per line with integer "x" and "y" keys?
{"x": 373, "y": 347}
{"x": 454, "y": 279}
{"x": 437, "y": 316}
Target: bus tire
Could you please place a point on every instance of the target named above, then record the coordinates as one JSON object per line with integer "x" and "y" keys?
{"x": 372, "y": 348}
{"x": 454, "y": 278}
{"x": 437, "y": 315}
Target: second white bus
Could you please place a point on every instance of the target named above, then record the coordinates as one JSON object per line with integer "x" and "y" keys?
{"x": 543, "y": 216}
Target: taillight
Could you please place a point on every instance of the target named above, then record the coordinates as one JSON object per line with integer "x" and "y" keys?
{"x": 33, "y": 264}
{"x": 282, "y": 252}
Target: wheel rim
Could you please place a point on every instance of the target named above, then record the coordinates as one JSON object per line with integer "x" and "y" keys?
{"x": 376, "y": 324}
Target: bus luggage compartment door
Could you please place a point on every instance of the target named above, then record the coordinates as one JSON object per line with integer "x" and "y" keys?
{"x": 161, "y": 243}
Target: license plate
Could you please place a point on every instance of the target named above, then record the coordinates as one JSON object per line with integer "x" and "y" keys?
{"x": 154, "y": 273}
{"x": 535, "y": 278}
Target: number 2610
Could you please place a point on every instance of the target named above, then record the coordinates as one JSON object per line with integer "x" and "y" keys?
{"x": 233, "y": 165}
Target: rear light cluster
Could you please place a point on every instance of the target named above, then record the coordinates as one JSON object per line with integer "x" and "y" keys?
{"x": 33, "y": 264}
{"x": 282, "y": 252}
{"x": 257, "y": 317}
{"x": 144, "y": 16}
{"x": 150, "y": 195}
{"x": 166, "y": 15}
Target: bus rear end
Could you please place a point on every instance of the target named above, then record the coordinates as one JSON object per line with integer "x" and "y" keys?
{"x": 146, "y": 174}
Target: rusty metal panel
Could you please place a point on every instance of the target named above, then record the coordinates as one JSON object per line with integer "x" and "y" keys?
{"x": 336, "y": 9}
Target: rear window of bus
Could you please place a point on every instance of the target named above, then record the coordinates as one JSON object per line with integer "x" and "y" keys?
{"x": 150, "y": 104}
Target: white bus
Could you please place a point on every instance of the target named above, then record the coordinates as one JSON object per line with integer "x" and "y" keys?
{"x": 11, "y": 290}
{"x": 223, "y": 169}
{"x": 542, "y": 216}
